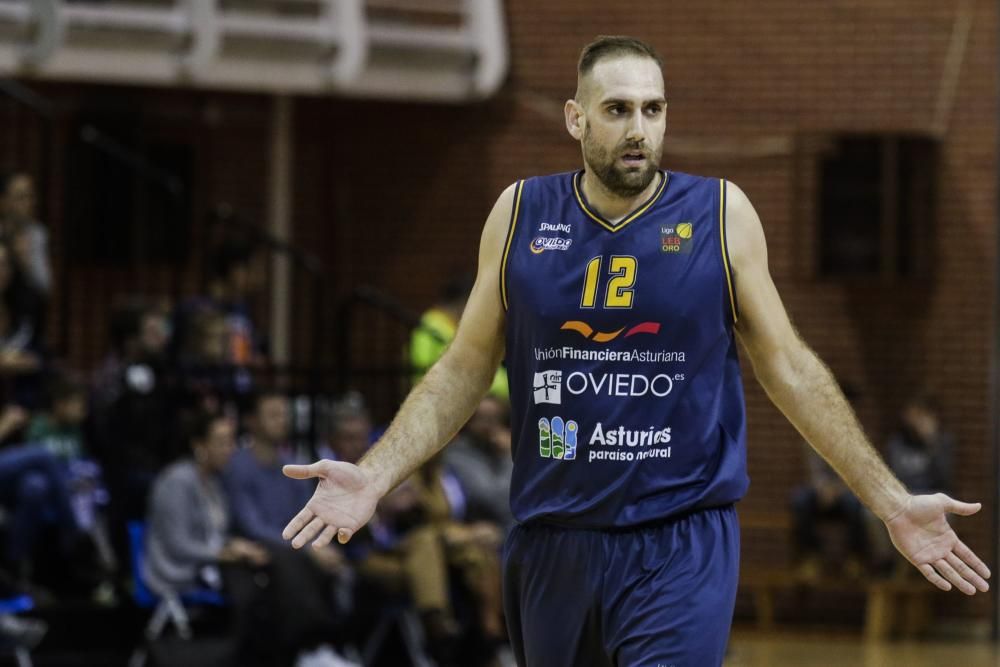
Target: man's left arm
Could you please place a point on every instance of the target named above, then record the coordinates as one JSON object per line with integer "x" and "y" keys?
{"x": 805, "y": 391}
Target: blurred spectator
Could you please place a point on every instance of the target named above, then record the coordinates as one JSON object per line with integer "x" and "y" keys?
{"x": 139, "y": 336}
{"x": 920, "y": 451}
{"x": 133, "y": 412}
{"x": 35, "y": 494}
{"x": 188, "y": 543}
{"x": 829, "y": 525}
{"x": 27, "y": 236}
{"x": 263, "y": 500}
{"x": 235, "y": 277}
{"x": 920, "y": 454}
{"x": 417, "y": 541}
{"x": 350, "y": 431}
{"x": 436, "y": 330}
{"x": 21, "y": 319}
{"x": 480, "y": 459}
{"x": 60, "y": 431}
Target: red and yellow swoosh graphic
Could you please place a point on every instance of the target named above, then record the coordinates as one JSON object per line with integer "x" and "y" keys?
{"x": 588, "y": 332}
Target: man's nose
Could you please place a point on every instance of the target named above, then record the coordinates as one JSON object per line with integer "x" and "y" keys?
{"x": 636, "y": 132}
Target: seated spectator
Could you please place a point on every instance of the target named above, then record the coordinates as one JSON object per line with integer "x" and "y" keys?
{"x": 190, "y": 544}
{"x": 21, "y": 319}
{"x": 59, "y": 430}
{"x": 35, "y": 495}
{"x": 480, "y": 459}
{"x": 921, "y": 450}
{"x": 132, "y": 413}
{"x": 416, "y": 541}
{"x": 234, "y": 280}
{"x": 829, "y": 525}
{"x": 27, "y": 236}
{"x": 263, "y": 500}
{"x": 920, "y": 454}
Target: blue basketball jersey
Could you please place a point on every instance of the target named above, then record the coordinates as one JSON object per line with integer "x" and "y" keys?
{"x": 626, "y": 394}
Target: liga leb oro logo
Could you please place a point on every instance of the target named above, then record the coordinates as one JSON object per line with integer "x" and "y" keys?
{"x": 589, "y": 333}
{"x": 676, "y": 238}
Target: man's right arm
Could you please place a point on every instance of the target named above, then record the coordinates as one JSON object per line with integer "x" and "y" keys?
{"x": 450, "y": 391}
{"x": 438, "y": 406}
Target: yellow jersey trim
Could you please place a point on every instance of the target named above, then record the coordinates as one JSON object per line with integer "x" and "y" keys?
{"x": 725, "y": 251}
{"x": 519, "y": 188}
{"x": 615, "y": 226}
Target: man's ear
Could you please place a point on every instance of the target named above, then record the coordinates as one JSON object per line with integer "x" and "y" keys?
{"x": 575, "y": 119}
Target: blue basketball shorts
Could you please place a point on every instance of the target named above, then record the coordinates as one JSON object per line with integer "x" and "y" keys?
{"x": 652, "y": 596}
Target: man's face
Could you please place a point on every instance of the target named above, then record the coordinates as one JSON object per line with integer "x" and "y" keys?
{"x": 71, "y": 409}
{"x": 218, "y": 446}
{"x": 19, "y": 199}
{"x": 273, "y": 419}
{"x": 623, "y": 123}
{"x": 154, "y": 334}
{"x": 350, "y": 441}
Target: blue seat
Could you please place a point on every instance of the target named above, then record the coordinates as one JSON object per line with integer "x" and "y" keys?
{"x": 18, "y": 605}
{"x": 146, "y": 598}
{"x": 167, "y": 608}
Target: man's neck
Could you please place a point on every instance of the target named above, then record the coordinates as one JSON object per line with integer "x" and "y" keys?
{"x": 612, "y": 206}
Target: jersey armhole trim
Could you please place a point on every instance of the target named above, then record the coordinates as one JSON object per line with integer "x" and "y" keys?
{"x": 725, "y": 250}
{"x": 514, "y": 211}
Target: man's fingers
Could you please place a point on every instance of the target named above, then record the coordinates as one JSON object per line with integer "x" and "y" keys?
{"x": 933, "y": 577}
{"x": 949, "y": 573}
{"x": 967, "y": 573}
{"x": 301, "y": 471}
{"x": 968, "y": 556}
{"x": 325, "y": 537}
{"x": 960, "y": 508}
{"x": 344, "y": 535}
{"x": 309, "y": 532}
{"x": 297, "y": 523}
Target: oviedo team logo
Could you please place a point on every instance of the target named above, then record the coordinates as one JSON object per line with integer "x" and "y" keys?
{"x": 557, "y": 439}
{"x": 589, "y": 333}
{"x": 542, "y": 243}
{"x": 676, "y": 238}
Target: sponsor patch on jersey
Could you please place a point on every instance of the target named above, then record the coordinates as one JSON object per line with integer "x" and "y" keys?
{"x": 548, "y": 387}
{"x": 542, "y": 243}
{"x": 588, "y": 332}
{"x": 557, "y": 438}
{"x": 676, "y": 238}
{"x": 555, "y": 227}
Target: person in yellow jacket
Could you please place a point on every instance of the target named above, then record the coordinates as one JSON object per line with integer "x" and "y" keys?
{"x": 436, "y": 329}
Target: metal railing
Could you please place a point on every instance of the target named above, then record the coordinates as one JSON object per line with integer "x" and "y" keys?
{"x": 442, "y": 49}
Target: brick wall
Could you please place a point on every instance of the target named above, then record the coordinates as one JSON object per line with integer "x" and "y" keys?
{"x": 394, "y": 195}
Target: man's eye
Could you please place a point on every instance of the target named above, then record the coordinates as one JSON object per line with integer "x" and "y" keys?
{"x": 654, "y": 109}
{"x": 617, "y": 109}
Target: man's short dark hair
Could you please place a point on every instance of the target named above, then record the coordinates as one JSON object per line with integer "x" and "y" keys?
{"x": 609, "y": 46}
{"x": 199, "y": 425}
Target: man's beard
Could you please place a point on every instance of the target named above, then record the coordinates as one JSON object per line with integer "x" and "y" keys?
{"x": 617, "y": 179}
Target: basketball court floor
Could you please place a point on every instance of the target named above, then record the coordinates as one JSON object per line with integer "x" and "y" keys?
{"x": 790, "y": 650}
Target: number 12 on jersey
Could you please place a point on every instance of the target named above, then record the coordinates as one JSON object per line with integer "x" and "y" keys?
{"x": 620, "y": 288}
